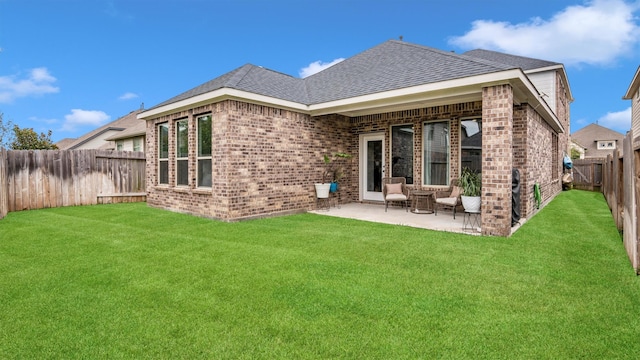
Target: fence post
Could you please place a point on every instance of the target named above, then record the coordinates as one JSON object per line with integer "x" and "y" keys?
{"x": 4, "y": 184}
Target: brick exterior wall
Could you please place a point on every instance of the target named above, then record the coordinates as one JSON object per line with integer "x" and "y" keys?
{"x": 497, "y": 159}
{"x": 264, "y": 160}
{"x": 417, "y": 117}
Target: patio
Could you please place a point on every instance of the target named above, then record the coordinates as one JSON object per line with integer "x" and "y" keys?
{"x": 397, "y": 215}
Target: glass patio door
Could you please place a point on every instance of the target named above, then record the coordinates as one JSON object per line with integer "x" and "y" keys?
{"x": 372, "y": 166}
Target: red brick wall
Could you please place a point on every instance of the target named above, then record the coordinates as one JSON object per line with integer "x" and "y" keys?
{"x": 417, "y": 117}
{"x": 497, "y": 159}
{"x": 265, "y": 161}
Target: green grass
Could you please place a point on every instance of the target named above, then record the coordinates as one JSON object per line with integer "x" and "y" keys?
{"x": 129, "y": 281}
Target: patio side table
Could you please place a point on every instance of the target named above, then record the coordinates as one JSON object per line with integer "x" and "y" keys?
{"x": 422, "y": 201}
{"x": 471, "y": 220}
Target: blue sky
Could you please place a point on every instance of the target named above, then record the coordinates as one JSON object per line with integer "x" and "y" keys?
{"x": 73, "y": 65}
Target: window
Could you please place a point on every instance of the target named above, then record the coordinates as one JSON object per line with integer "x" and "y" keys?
{"x": 137, "y": 144}
{"x": 402, "y": 152}
{"x": 556, "y": 164}
{"x": 163, "y": 153}
{"x": 182, "y": 152}
{"x": 471, "y": 144}
{"x": 204, "y": 151}
{"x": 606, "y": 144}
{"x": 120, "y": 145}
{"x": 436, "y": 147}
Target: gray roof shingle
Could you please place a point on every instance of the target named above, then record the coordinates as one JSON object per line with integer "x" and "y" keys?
{"x": 391, "y": 65}
{"x": 522, "y": 62}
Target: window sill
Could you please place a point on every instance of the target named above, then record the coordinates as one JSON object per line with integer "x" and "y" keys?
{"x": 203, "y": 191}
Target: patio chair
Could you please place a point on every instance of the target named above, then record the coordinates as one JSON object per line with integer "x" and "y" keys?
{"x": 449, "y": 199}
{"x": 394, "y": 189}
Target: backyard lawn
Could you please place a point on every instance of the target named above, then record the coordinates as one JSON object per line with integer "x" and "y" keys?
{"x": 129, "y": 281}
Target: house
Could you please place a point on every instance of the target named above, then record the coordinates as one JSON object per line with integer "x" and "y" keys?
{"x": 598, "y": 141}
{"x": 110, "y": 136}
{"x": 633, "y": 94}
{"x": 130, "y": 139}
{"x": 250, "y": 143}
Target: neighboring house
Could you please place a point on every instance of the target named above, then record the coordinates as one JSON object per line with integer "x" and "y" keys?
{"x": 598, "y": 141}
{"x": 105, "y": 136}
{"x": 633, "y": 94}
{"x": 131, "y": 139}
{"x": 250, "y": 142}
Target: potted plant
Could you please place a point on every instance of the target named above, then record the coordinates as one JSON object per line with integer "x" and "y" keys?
{"x": 332, "y": 173}
{"x": 471, "y": 184}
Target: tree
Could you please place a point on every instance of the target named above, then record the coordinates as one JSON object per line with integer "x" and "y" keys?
{"x": 28, "y": 139}
{"x": 5, "y": 131}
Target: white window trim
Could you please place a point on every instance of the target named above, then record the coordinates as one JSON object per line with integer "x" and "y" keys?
{"x": 184, "y": 158}
{"x": 160, "y": 159}
{"x": 198, "y": 157}
{"x": 391, "y": 148}
{"x": 422, "y": 146}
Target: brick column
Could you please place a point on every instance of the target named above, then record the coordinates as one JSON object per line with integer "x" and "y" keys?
{"x": 497, "y": 159}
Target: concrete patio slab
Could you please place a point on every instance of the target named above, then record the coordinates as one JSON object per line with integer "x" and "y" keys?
{"x": 396, "y": 215}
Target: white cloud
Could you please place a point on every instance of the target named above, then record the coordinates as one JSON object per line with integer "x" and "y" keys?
{"x": 316, "y": 67}
{"x": 595, "y": 33}
{"x": 38, "y": 82}
{"x": 619, "y": 121}
{"x": 79, "y": 117}
{"x": 128, "y": 96}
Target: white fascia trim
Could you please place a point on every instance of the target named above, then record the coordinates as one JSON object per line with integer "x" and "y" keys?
{"x": 633, "y": 87}
{"x": 448, "y": 86}
{"x": 220, "y": 95}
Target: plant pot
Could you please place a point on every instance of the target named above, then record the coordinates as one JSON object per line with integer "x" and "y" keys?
{"x": 334, "y": 187}
{"x": 322, "y": 190}
{"x": 471, "y": 203}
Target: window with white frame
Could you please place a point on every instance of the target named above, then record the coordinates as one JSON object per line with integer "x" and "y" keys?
{"x": 606, "y": 144}
{"x": 120, "y": 145}
{"x": 137, "y": 144}
{"x": 471, "y": 144}
{"x": 436, "y": 153}
{"x": 402, "y": 152}
{"x": 204, "y": 151}
{"x": 182, "y": 152}
{"x": 163, "y": 153}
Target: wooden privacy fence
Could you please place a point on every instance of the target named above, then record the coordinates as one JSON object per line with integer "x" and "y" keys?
{"x": 36, "y": 179}
{"x": 4, "y": 198}
{"x": 621, "y": 187}
{"x": 587, "y": 174}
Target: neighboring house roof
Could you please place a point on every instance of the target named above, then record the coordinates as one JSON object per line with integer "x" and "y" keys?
{"x": 99, "y": 138}
{"x": 65, "y": 143}
{"x": 392, "y": 76}
{"x": 589, "y": 136}
{"x": 137, "y": 130}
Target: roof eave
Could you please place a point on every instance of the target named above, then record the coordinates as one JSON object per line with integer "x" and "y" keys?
{"x": 440, "y": 93}
{"x": 633, "y": 87}
{"x": 217, "y": 96}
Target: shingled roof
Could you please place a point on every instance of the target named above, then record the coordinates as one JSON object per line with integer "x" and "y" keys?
{"x": 525, "y": 63}
{"x": 389, "y": 66}
{"x": 392, "y": 76}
